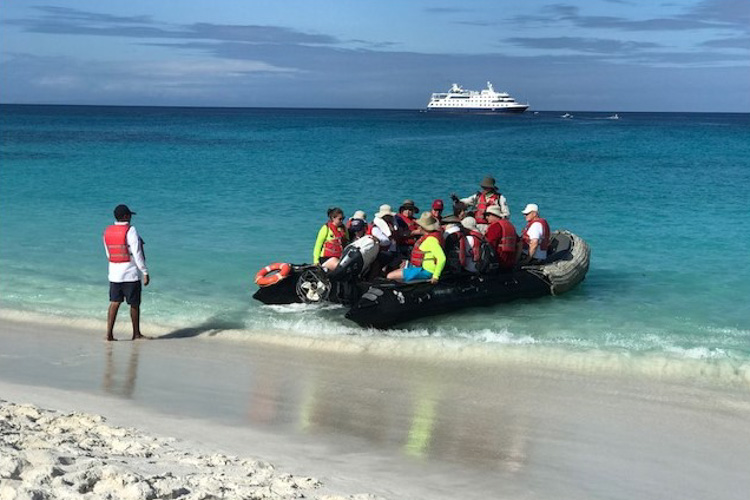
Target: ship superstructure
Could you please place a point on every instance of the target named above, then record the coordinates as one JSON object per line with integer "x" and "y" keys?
{"x": 487, "y": 100}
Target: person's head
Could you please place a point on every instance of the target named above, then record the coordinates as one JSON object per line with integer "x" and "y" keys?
{"x": 358, "y": 226}
{"x": 336, "y": 215}
{"x": 428, "y": 223}
{"x": 459, "y": 209}
{"x": 123, "y": 213}
{"x": 437, "y": 208}
{"x": 361, "y": 215}
{"x": 493, "y": 213}
{"x": 488, "y": 184}
{"x": 470, "y": 223}
{"x": 531, "y": 211}
{"x": 386, "y": 213}
{"x": 408, "y": 208}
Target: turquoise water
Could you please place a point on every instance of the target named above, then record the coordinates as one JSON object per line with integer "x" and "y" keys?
{"x": 662, "y": 199}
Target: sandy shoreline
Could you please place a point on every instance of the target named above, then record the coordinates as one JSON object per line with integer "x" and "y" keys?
{"x": 396, "y": 428}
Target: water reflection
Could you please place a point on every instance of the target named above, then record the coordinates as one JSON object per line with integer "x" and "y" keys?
{"x": 120, "y": 369}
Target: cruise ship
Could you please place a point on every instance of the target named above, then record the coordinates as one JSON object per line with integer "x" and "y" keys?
{"x": 487, "y": 100}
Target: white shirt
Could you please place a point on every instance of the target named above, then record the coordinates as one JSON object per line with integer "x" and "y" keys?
{"x": 469, "y": 264}
{"x": 123, "y": 272}
{"x": 536, "y": 232}
{"x": 382, "y": 232}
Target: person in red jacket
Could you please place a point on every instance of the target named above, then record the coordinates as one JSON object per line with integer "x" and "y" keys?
{"x": 501, "y": 234}
{"x": 127, "y": 262}
{"x": 535, "y": 236}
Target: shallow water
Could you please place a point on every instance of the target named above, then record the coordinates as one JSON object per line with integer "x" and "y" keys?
{"x": 221, "y": 192}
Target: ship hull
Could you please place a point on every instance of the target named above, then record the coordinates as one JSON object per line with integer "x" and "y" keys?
{"x": 513, "y": 110}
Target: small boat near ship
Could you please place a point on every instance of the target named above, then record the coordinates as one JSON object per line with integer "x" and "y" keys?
{"x": 614, "y": 117}
{"x": 458, "y": 99}
{"x": 383, "y": 303}
{"x": 566, "y": 116}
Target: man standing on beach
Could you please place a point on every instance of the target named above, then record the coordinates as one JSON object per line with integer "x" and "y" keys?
{"x": 124, "y": 248}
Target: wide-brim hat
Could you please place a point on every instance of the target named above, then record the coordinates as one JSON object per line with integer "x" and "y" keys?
{"x": 360, "y": 214}
{"x": 428, "y": 222}
{"x": 495, "y": 210}
{"x": 407, "y": 203}
{"x": 470, "y": 223}
{"x": 488, "y": 182}
{"x": 384, "y": 210}
{"x": 531, "y": 207}
{"x": 450, "y": 219}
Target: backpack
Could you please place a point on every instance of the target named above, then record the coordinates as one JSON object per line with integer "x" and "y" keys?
{"x": 487, "y": 262}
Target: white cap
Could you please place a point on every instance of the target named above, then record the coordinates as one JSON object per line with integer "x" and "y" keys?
{"x": 531, "y": 207}
{"x": 360, "y": 214}
{"x": 469, "y": 223}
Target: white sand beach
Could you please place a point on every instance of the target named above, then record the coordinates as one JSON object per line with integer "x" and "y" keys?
{"x": 196, "y": 417}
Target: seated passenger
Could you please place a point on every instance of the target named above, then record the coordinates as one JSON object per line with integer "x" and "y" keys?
{"x": 407, "y": 230}
{"x": 489, "y": 196}
{"x": 535, "y": 236}
{"x": 502, "y": 236}
{"x": 437, "y": 210}
{"x": 383, "y": 230}
{"x": 332, "y": 239}
{"x": 474, "y": 241}
{"x": 356, "y": 226}
{"x": 454, "y": 244}
{"x": 427, "y": 258}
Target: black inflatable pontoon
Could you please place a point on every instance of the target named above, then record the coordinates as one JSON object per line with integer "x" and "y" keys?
{"x": 383, "y": 303}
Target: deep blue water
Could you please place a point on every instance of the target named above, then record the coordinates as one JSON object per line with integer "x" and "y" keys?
{"x": 662, "y": 199}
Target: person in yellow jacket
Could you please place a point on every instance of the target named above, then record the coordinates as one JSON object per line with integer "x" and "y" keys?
{"x": 427, "y": 257}
{"x": 332, "y": 238}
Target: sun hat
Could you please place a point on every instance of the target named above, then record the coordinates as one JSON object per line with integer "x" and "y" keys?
{"x": 437, "y": 205}
{"x": 384, "y": 210}
{"x": 360, "y": 214}
{"x": 428, "y": 222}
{"x": 488, "y": 182}
{"x": 470, "y": 223}
{"x": 531, "y": 207}
{"x": 495, "y": 210}
{"x": 450, "y": 219}
{"x": 121, "y": 211}
{"x": 408, "y": 203}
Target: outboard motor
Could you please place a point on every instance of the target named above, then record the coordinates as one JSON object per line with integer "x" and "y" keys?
{"x": 356, "y": 259}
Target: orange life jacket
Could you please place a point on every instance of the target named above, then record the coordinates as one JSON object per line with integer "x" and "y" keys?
{"x": 417, "y": 255}
{"x": 544, "y": 243}
{"x": 116, "y": 240}
{"x": 334, "y": 247}
{"x": 483, "y": 203}
{"x": 411, "y": 224}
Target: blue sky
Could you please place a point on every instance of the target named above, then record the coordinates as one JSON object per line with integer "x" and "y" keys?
{"x": 596, "y": 55}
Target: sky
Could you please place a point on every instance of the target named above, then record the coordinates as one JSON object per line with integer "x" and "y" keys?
{"x": 574, "y": 55}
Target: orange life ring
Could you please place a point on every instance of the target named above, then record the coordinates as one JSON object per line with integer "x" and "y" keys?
{"x": 272, "y": 274}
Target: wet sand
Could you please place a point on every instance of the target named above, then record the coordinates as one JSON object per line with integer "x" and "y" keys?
{"x": 397, "y": 427}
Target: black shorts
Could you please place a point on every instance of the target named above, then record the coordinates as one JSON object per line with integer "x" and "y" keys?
{"x": 129, "y": 290}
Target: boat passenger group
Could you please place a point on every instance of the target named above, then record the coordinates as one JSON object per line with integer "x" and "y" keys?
{"x": 477, "y": 237}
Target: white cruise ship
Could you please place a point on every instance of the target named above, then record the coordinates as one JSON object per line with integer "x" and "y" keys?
{"x": 487, "y": 100}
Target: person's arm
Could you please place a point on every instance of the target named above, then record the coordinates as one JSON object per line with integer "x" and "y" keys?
{"x": 470, "y": 200}
{"x": 135, "y": 245}
{"x": 318, "y": 249}
{"x": 432, "y": 245}
{"x": 503, "y": 204}
{"x": 383, "y": 240}
{"x": 535, "y": 236}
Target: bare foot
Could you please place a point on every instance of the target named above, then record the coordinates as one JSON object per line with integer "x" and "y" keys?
{"x": 140, "y": 337}
{"x": 111, "y": 339}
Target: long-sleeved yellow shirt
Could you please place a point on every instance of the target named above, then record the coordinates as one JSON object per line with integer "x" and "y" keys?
{"x": 324, "y": 235}
{"x": 434, "y": 256}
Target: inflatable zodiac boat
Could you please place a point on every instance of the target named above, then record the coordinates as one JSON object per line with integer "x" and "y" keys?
{"x": 383, "y": 303}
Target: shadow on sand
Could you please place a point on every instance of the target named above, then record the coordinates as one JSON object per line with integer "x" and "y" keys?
{"x": 214, "y": 325}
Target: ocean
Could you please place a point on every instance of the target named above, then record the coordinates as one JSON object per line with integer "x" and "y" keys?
{"x": 661, "y": 198}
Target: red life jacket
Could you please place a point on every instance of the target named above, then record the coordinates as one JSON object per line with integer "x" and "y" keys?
{"x": 417, "y": 255}
{"x": 544, "y": 244}
{"x": 116, "y": 240}
{"x": 334, "y": 247}
{"x": 483, "y": 203}
{"x": 508, "y": 241}
{"x": 411, "y": 224}
{"x": 476, "y": 249}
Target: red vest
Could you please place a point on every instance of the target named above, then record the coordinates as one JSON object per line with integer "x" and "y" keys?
{"x": 417, "y": 255}
{"x": 404, "y": 239}
{"x": 483, "y": 203}
{"x": 508, "y": 241}
{"x": 335, "y": 246}
{"x": 115, "y": 237}
{"x": 544, "y": 244}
